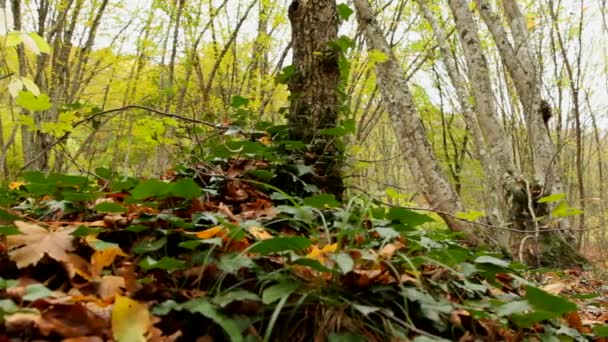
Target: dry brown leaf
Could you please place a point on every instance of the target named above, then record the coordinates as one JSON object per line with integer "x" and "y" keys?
{"x": 389, "y": 250}
{"x": 30, "y": 247}
{"x": 110, "y": 286}
{"x": 554, "y": 288}
{"x": 83, "y": 339}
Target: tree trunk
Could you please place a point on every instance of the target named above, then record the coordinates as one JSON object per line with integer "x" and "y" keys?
{"x": 314, "y": 88}
{"x": 408, "y": 127}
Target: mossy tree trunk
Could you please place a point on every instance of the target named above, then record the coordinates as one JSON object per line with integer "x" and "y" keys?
{"x": 314, "y": 89}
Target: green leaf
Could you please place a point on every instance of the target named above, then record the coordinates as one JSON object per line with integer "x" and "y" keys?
{"x": 149, "y": 246}
{"x": 601, "y": 330}
{"x": 234, "y": 296}
{"x": 30, "y": 102}
{"x": 406, "y": 216}
{"x": 100, "y": 245}
{"x": 529, "y": 319}
{"x": 275, "y": 292}
{"x": 366, "y": 309}
{"x": 232, "y": 263}
{"x": 186, "y": 188}
{"x": 42, "y": 45}
{"x": 312, "y": 263}
{"x": 8, "y": 283}
{"x": 7, "y": 306}
{"x": 205, "y": 308}
{"x": 36, "y": 291}
{"x": 286, "y": 74}
{"x": 344, "y": 11}
{"x": 345, "y": 337}
{"x": 83, "y": 231}
{"x": 344, "y": 261}
{"x": 322, "y": 201}
{"x": 239, "y": 101}
{"x": 166, "y": 263}
{"x": 564, "y": 210}
{"x": 280, "y": 244}
{"x": 151, "y": 188}
{"x": 166, "y": 307}
{"x": 486, "y": 259}
{"x": 9, "y": 230}
{"x": 348, "y": 126}
{"x": 108, "y": 207}
{"x": 545, "y": 301}
{"x": 471, "y": 215}
{"x": 516, "y": 307}
{"x": 552, "y": 198}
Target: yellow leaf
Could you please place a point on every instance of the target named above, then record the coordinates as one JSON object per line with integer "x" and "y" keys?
{"x": 259, "y": 233}
{"x": 211, "y": 232}
{"x": 130, "y": 320}
{"x": 265, "y": 140}
{"x": 30, "y": 247}
{"x": 15, "y": 185}
{"x": 103, "y": 258}
{"x": 320, "y": 253}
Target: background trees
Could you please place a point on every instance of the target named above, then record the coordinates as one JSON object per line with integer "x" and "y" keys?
{"x": 480, "y": 75}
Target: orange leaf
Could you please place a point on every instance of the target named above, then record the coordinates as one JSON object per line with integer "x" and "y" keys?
{"x": 15, "y": 185}
{"x": 211, "y": 232}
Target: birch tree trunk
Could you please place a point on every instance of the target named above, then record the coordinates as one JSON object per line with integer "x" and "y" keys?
{"x": 492, "y": 180}
{"x": 408, "y": 127}
{"x": 518, "y": 59}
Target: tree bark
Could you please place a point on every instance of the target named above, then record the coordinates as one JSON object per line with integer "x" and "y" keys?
{"x": 408, "y": 127}
{"x": 314, "y": 88}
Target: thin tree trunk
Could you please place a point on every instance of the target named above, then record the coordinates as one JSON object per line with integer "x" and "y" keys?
{"x": 408, "y": 126}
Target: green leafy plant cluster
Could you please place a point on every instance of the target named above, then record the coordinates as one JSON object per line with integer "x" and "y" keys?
{"x": 345, "y": 271}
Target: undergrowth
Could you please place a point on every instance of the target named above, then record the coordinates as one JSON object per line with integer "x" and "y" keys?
{"x": 240, "y": 244}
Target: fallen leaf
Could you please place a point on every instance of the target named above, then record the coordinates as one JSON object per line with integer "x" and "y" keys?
{"x": 110, "y": 286}
{"x": 30, "y": 247}
{"x": 259, "y": 233}
{"x": 389, "y": 250}
{"x": 130, "y": 320}
{"x": 211, "y": 233}
{"x": 554, "y": 288}
{"x": 103, "y": 258}
{"x": 71, "y": 320}
{"x": 15, "y": 185}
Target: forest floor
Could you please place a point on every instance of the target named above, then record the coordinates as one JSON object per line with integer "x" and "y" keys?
{"x": 214, "y": 251}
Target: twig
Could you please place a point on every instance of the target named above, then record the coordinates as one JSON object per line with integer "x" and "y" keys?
{"x": 7, "y": 76}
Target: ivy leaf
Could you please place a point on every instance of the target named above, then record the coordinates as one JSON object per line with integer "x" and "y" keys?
{"x": 486, "y": 259}
{"x": 545, "y": 301}
{"x": 322, "y": 201}
{"x": 207, "y": 309}
{"x": 150, "y": 188}
{"x": 235, "y": 296}
{"x": 345, "y": 262}
{"x": 280, "y": 244}
{"x": 278, "y": 291}
{"x": 239, "y": 101}
{"x": 109, "y": 207}
{"x": 36, "y": 291}
{"x": 166, "y": 263}
{"x": 186, "y": 188}
{"x": 344, "y": 11}
{"x": 406, "y": 216}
